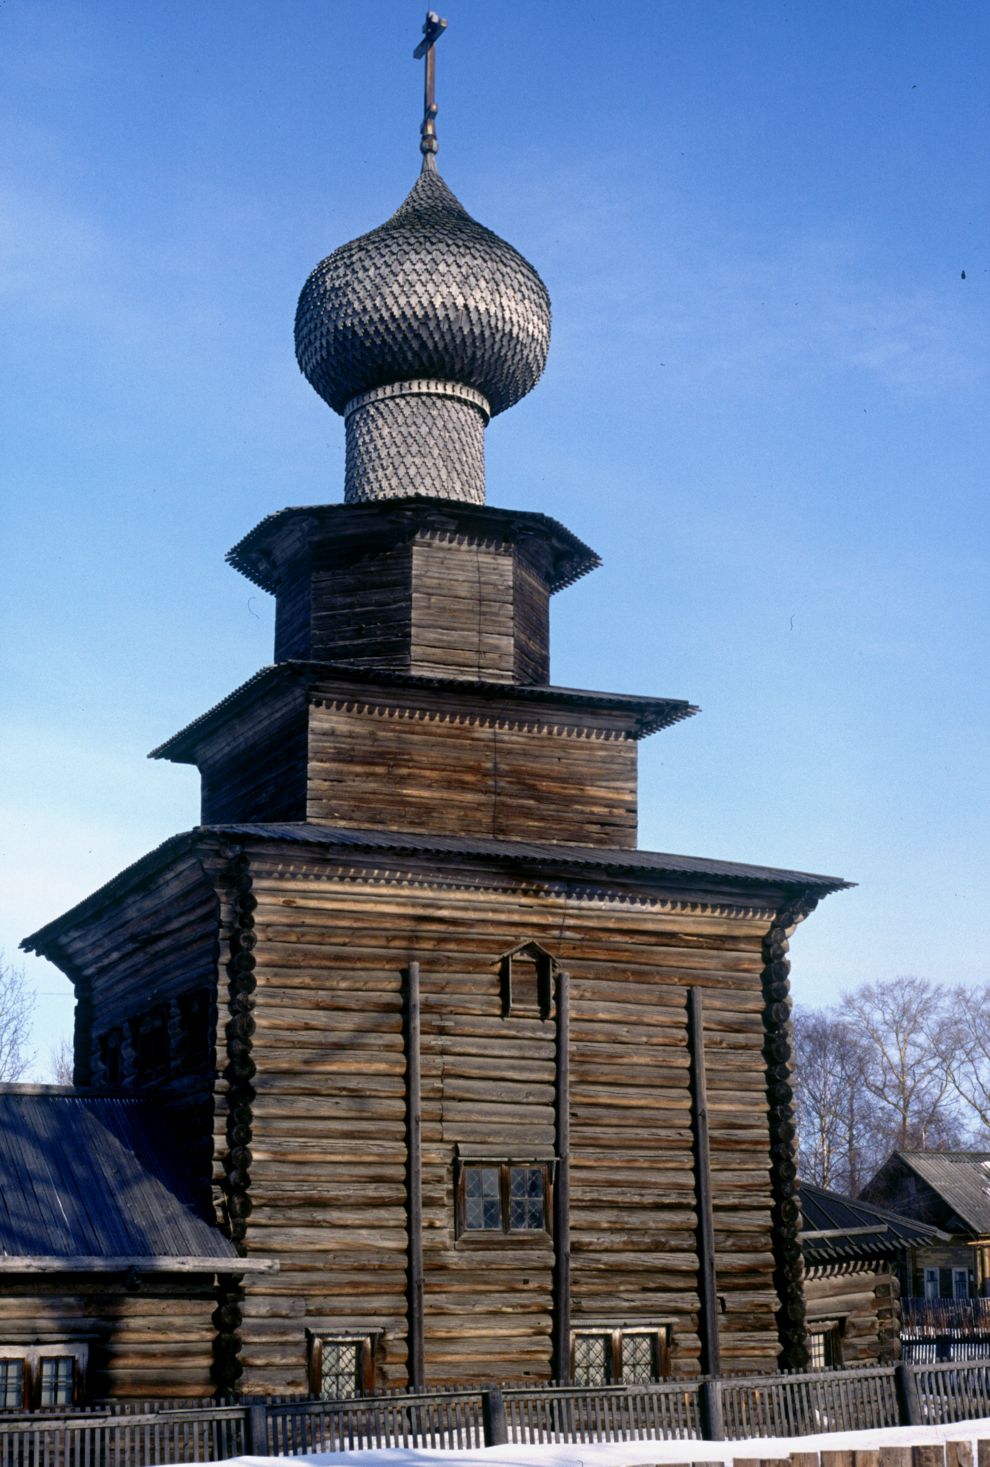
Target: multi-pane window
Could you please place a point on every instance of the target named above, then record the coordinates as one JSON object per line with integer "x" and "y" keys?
{"x": 503, "y": 1197}
{"x": 341, "y": 1367}
{"x": 824, "y": 1346}
{"x": 42, "y": 1375}
{"x": 619, "y": 1357}
{"x": 11, "y": 1384}
{"x": 58, "y": 1375}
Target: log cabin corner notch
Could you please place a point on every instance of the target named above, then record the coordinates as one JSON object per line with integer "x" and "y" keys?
{"x": 413, "y": 1003}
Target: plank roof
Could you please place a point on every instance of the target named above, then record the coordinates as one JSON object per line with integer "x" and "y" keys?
{"x": 97, "y": 1177}
{"x": 961, "y": 1178}
{"x": 836, "y": 1229}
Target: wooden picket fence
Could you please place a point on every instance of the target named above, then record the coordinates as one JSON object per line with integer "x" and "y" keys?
{"x": 153, "y": 1434}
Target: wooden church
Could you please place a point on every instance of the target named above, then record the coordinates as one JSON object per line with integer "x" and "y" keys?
{"x": 407, "y": 1065}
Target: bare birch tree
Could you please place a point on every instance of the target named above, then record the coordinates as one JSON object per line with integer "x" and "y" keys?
{"x": 16, "y": 1011}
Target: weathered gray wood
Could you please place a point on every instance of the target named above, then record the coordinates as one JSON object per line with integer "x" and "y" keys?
{"x": 561, "y": 1367}
{"x": 708, "y": 1323}
{"x": 414, "y": 1176}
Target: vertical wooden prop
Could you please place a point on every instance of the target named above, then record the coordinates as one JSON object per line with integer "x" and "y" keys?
{"x": 414, "y": 1178}
{"x": 707, "y": 1290}
{"x": 561, "y": 1364}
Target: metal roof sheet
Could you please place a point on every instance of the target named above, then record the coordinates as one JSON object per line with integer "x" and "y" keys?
{"x": 646, "y": 715}
{"x": 96, "y": 1176}
{"x": 593, "y": 862}
{"x": 835, "y": 1229}
{"x": 961, "y": 1178}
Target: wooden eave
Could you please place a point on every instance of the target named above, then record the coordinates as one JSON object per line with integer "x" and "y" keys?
{"x": 632, "y": 716}
{"x": 284, "y": 538}
{"x": 582, "y": 869}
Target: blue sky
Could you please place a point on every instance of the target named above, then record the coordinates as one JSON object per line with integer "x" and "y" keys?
{"x": 765, "y": 406}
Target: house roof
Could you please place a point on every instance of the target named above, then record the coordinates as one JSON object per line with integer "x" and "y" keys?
{"x": 961, "y": 1178}
{"x": 95, "y": 1181}
{"x": 835, "y": 1229}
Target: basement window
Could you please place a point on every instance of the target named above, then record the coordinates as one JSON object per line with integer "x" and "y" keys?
{"x": 619, "y": 1356}
{"x": 341, "y": 1366}
{"x": 503, "y": 1197}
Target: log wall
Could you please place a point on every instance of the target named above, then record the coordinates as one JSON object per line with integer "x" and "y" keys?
{"x": 864, "y": 1299}
{"x": 327, "y": 1179}
{"x": 152, "y": 1342}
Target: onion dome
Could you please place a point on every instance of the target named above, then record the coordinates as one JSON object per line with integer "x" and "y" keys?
{"x": 430, "y": 295}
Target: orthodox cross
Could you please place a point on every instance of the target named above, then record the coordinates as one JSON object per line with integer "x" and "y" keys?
{"x": 433, "y": 29}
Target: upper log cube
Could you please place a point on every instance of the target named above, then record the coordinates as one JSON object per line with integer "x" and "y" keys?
{"x": 413, "y": 586}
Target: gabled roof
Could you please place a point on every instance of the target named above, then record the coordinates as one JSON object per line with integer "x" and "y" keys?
{"x": 95, "y": 1181}
{"x": 835, "y": 1229}
{"x": 961, "y": 1179}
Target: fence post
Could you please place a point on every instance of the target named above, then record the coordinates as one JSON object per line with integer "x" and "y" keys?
{"x": 710, "y": 1411}
{"x": 493, "y": 1417}
{"x": 256, "y": 1429}
{"x": 908, "y": 1400}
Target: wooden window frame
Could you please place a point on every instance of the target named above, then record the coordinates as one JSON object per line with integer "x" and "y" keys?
{"x": 33, "y": 1356}
{"x": 366, "y": 1361}
{"x": 504, "y": 1230}
{"x": 829, "y": 1331}
{"x": 545, "y": 965}
{"x": 151, "y": 1043}
{"x": 658, "y": 1335}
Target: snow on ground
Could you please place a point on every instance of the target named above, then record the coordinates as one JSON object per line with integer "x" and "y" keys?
{"x": 627, "y": 1454}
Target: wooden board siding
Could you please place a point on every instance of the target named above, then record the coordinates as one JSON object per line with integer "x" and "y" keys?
{"x": 376, "y": 765}
{"x": 531, "y": 628}
{"x": 462, "y": 610}
{"x": 864, "y": 1299}
{"x": 264, "y": 780}
{"x": 328, "y": 1154}
{"x": 153, "y": 1342}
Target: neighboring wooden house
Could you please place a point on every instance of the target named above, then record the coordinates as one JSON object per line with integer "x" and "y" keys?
{"x": 853, "y": 1254}
{"x": 431, "y": 1027}
{"x": 951, "y": 1190}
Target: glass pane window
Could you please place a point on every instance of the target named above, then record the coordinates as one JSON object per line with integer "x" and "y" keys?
{"x": 960, "y": 1283}
{"x": 639, "y": 1359}
{"x": 57, "y": 1378}
{"x": 526, "y": 1209}
{"x": 11, "y": 1384}
{"x": 816, "y": 1351}
{"x": 592, "y": 1359}
{"x": 339, "y": 1369}
{"x": 482, "y": 1199}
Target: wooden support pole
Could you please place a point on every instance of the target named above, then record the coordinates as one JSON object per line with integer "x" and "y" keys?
{"x": 414, "y": 1178}
{"x": 707, "y": 1288}
{"x": 561, "y": 1364}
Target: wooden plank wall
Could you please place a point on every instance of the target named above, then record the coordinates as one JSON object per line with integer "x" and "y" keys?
{"x": 462, "y": 610}
{"x": 531, "y": 624}
{"x": 156, "y": 1342}
{"x": 376, "y": 766}
{"x": 328, "y": 1147}
{"x": 264, "y": 780}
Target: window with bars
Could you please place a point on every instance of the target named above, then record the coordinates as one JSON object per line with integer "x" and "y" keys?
{"x": 619, "y": 1356}
{"x": 824, "y": 1344}
{"x": 503, "y": 1197}
{"x": 341, "y": 1366}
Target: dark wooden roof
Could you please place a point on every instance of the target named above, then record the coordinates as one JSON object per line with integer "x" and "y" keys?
{"x": 642, "y": 716}
{"x": 835, "y": 1229}
{"x": 961, "y": 1179}
{"x": 287, "y": 532}
{"x": 96, "y": 1177}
